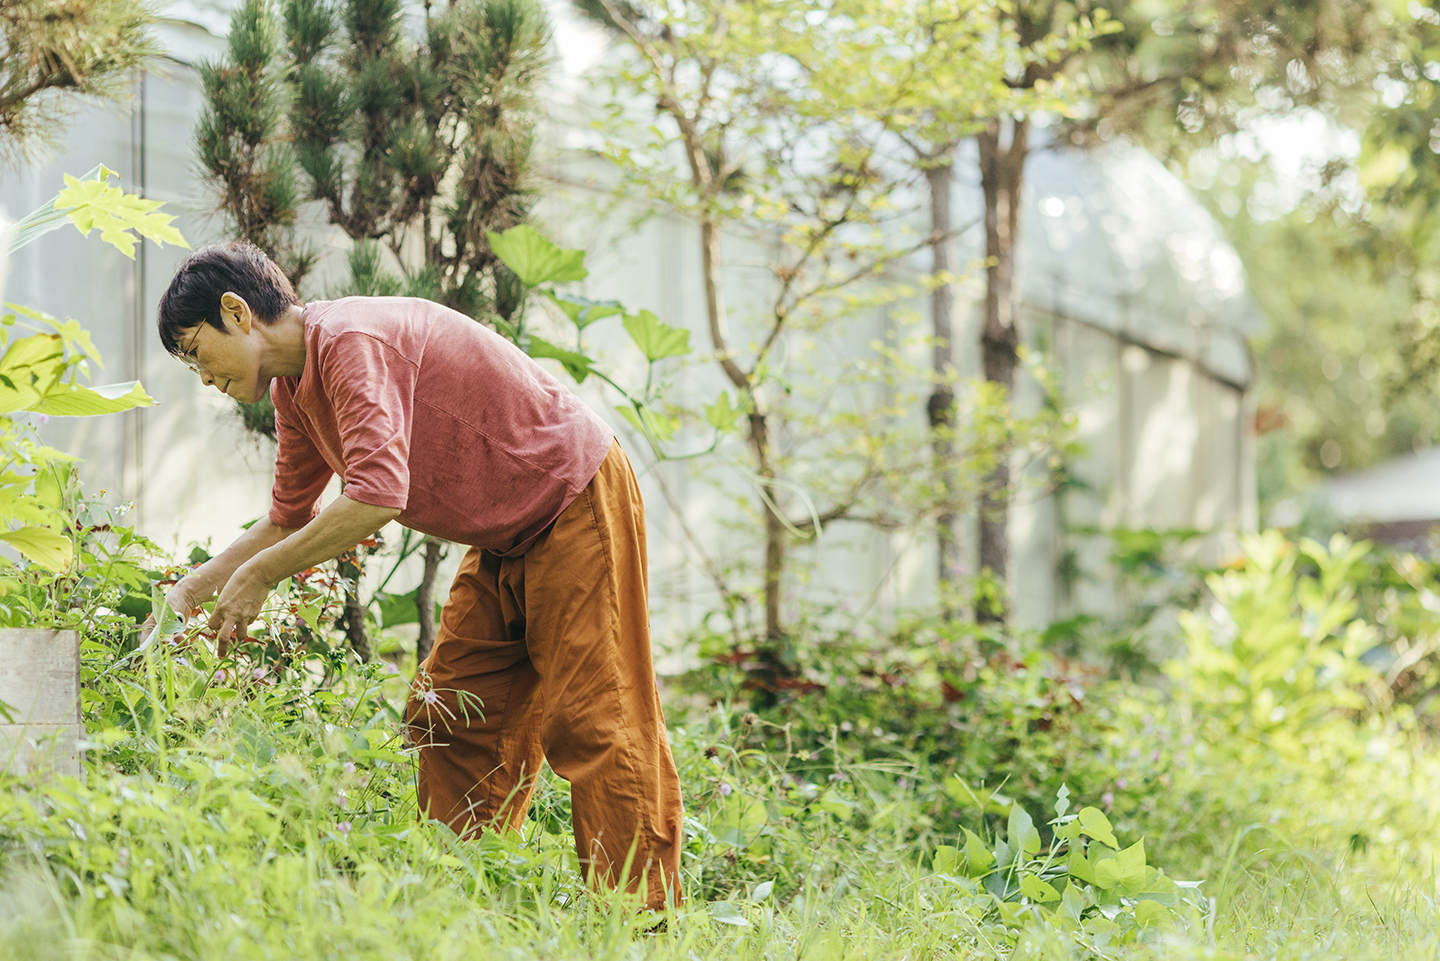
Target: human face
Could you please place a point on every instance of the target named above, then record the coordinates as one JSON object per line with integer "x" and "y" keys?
{"x": 229, "y": 360}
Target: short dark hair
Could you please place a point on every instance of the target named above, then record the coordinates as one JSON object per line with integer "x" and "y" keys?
{"x": 193, "y": 296}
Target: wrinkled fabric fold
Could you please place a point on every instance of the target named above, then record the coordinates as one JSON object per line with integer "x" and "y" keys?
{"x": 546, "y": 656}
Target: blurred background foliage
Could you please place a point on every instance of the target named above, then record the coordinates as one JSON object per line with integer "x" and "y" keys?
{"x": 1334, "y": 217}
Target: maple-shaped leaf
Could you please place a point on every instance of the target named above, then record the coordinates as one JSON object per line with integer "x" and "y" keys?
{"x": 94, "y": 204}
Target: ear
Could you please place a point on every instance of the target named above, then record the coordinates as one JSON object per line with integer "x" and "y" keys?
{"x": 233, "y": 306}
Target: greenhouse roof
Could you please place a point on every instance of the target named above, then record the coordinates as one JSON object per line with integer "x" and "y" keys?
{"x": 1112, "y": 238}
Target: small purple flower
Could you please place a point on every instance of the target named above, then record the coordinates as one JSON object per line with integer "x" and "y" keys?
{"x": 343, "y": 827}
{"x": 1122, "y": 783}
{"x": 725, "y": 789}
{"x": 1107, "y": 799}
{"x": 430, "y": 697}
{"x": 342, "y": 799}
{"x": 258, "y": 673}
{"x": 389, "y": 668}
{"x": 349, "y": 767}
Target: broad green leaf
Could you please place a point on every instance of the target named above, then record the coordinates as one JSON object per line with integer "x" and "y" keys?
{"x": 1125, "y": 871}
{"x": 73, "y": 337}
{"x": 576, "y": 364}
{"x": 1080, "y": 865}
{"x": 722, "y": 415}
{"x": 648, "y": 422}
{"x": 76, "y": 401}
{"x": 534, "y": 259}
{"x": 947, "y": 859}
{"x": 583, "y": 312}
{"x": 656, "y": 339}
{"x": 978, "y": 859}
{"x": 168, "y": 621}
{"x": 1037, "y": 890}
{"x": 1072, "y": 900}
{"x": 1020, "y": 831}
{"x": 1159, "y": 888}
{"x": 50, "y": 484}
{"x": 396, "y": 609}
{"x": 310, "y": 614}
{"x": 762, "y": 890}
{"x": 42, "y": 545}
{"x": 1150, "y": 912}
{"x": 1094, "y": 823}
{"x": 94, "y": 204}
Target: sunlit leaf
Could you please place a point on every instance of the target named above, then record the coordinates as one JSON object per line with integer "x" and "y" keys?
{"x": 656, "y": 339}
{"x": 1094, "y": 823}
{"x": 94, "y": 204}
{"x": 42, "y": 545}
{"x": 978, "y": 859}
{"x": 1020, "y": 831}
{"x": 73, "y": 400}
{"x": 1035, "y": 889}
{"x": 168, "y": 621}
{"x": 1150, "y": 912}
{"x": 722, "y": 415}
{"x": 1125, "y": 871}
{"x": 582, "y": 311}
{"x": 534, "y": 259}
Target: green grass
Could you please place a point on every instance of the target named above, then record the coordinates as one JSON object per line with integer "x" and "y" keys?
{"x": 224, "y": 820}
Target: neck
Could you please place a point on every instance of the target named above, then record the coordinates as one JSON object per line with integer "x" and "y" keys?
{"x": 285, "y": 339}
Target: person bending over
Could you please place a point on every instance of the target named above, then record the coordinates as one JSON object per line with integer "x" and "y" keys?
{"x": 433, "y": 420}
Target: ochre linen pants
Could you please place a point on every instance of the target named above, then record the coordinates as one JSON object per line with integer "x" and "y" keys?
{"x": 555, "y": 645}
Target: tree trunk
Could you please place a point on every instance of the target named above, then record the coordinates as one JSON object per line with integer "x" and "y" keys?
{"x": 1002, "y": 168}
{"x": 354, "y": 616}
{"x": 774, "y": 527}
{"x": 941, "y": 406}
{"x": 425, "y": 599}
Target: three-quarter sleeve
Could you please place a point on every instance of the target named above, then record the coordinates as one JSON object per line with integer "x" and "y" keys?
{"x": 372, "y": 388}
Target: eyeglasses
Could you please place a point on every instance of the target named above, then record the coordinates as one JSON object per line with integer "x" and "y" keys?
{"x": 188, "y": 358}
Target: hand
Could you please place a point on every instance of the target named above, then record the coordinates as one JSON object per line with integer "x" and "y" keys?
{"x": 238, "y": 607}
{"x": 185, "y": 598}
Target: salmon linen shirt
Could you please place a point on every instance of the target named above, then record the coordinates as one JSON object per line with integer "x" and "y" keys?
{"x": 418, "y": 407}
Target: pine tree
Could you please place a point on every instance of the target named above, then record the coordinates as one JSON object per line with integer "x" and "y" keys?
{"x": 65, "y": 47}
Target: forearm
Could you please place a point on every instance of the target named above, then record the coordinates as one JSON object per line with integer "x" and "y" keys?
{"x": 209, "y": 577}
{"x": 340, "y": 526}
